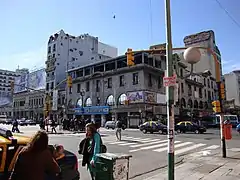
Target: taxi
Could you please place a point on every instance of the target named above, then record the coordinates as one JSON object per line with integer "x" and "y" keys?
{"x": 188, "y": 126}
{"x": 10, "y": 146}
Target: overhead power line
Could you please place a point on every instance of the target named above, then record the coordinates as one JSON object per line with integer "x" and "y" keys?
{"x": 228, "y": 13}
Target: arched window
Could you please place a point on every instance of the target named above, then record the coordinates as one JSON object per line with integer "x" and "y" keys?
{"x": 122, "y": 99}
{"x": 110, "y": 100}
{"x": 88, "y": 102}
{"x": 79, "y": 103}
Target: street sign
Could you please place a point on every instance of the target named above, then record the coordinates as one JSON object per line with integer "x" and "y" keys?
{"x": 170, "y": 81}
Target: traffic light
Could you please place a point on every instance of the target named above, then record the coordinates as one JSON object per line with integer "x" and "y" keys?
{"x": 216, "y": 106}
{"x": 12, "y": 86}
{"x": 130, "y": 57}
{"x": 69, "y": 81}
{"x": 222, "y": 91}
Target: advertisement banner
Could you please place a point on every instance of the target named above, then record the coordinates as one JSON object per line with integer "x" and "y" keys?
{"x": 135, "y": 97}
{"x": 37, "y": 79}
{"x": 55, "y": 100}
{"x": 21, "y": 83}
{"x": 150, "y": 97}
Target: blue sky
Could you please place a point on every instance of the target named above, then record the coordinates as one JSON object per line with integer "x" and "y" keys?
{"x": 26, "y": 26}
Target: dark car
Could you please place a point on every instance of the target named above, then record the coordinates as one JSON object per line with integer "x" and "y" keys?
{"x": 188, "y": 126}
{"x": 153, "y": 126}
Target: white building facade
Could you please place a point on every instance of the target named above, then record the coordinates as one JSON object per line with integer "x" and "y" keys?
{"x": 232, "y": 86}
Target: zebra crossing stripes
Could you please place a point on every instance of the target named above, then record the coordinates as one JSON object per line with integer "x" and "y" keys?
{"x": 152, "y": 147}
{"x": 147, "y": 144}
{"x": 158, "y": 145}
{"x": 176, "y": 146}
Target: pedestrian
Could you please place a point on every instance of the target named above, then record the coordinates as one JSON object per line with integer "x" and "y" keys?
{"x": 34, "y": 160}
{"x": 15, "y": 126}
{"x": 53, "y": 125}
{"x": 90, "y": 147}
{"x": 119, "y": 130}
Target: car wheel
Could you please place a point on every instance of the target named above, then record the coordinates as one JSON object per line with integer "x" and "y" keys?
{"x": 160, "y": 131}
{"x": 107, "y": 127}
{"x": 196, "y": 131}
{"x": 178, "y": 131}
{"x": 144, "y": 131}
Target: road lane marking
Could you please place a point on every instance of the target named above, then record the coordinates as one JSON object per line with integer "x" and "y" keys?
{"x": 176, "y": 146}
{"x": 117, "y": 142}
{"x": 211, "y": 147}
{"x": 180, "y": 151}
{"x": 152, "y": 147}
{"x": 156, "y": 142}
{"x": 125, "y": 144}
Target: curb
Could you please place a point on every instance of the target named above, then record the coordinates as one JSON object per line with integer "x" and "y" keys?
{"x": 177, "y": 162}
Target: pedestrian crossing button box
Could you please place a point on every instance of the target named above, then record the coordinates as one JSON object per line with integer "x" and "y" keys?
{"x": 112, "y": 166}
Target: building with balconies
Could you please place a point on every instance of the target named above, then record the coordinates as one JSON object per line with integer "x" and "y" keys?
{"x": 67, "y": 52}
{"x": 112, "y": 90}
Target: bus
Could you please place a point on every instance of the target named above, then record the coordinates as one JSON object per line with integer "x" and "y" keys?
{"x": 232, "y": 118}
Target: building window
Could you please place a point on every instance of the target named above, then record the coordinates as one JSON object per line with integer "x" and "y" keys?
{"x": 195, "y": 88}
{"x": 189, "y": 90}
{"x": 49, "y": 49}
{"x": 109, "y": 83}
{"x": 208, "y": 83}
{"x": 80, "y": 53}
{"x": 98, "y": 86}
{"x": 181, "y": 72}
{"x": 121, "y": 80}
{"x": 78, "y": 88}
{"x": 204, "y": 82}
{"x": 98, "y": 101}
{"x": 200, "y": 92}
{"x": 160, "y": 81}
{"x": 182, "y": 87}
{"x": 205, "y": 93}
{"x": 150, "y": 80}
{"x": 54, "y": 47}
{"x": 135, "y": 78}
{"x": 87, "y": 86}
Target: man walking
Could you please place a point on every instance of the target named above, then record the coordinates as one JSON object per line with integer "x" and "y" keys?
{"x": 119, "y": 130}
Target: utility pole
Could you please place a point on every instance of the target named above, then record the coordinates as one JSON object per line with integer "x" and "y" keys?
{"x": 169, "y": 92}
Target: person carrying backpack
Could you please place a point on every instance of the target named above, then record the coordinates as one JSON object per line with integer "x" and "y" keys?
{"x": 119, "y": 130}
{"x": 90, "y": 147}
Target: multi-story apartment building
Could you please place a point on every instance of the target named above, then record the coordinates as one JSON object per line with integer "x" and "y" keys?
{"x": 6, "y": 77}
{"x": 232, "y": 86}
{"x": 67, "y": 52}
{"x": 137, "y": 92}
{"x": 29, "y": 104}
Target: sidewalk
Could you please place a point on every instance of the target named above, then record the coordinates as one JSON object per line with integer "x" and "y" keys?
{"x": 206, "y": 168}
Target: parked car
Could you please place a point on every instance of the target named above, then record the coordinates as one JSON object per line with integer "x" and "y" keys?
{"x": 30, "y": 122}
{"x": 188, "y": 126}
{"x": 112, "y": 124}
{"x": 22, "y": 122}
{"x": 153, "y": 126}
{"x": 9, "y": 121}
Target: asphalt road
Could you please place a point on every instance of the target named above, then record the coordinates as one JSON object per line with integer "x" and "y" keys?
{"x": 149, "y": 151}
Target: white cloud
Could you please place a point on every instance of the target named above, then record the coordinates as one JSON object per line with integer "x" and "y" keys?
{"x": 31, "y": 60}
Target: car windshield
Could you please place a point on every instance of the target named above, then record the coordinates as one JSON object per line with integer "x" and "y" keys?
{"x": 231, "y": 118}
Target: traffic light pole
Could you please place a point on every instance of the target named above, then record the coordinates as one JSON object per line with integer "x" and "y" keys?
{"x": 223, "y": 141}
{"x": 169, "y": 92}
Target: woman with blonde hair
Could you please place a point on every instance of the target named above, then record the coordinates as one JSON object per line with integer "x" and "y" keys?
{"x": 35, "y": 160}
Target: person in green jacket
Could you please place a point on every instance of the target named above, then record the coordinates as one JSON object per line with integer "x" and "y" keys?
{"x": 93, "y": 147}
